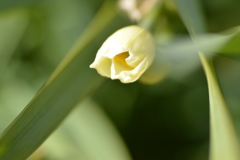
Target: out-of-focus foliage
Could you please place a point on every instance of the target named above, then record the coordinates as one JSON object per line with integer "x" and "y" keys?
{"x": 168, "y": 120}
{"x": 87, "y": 134}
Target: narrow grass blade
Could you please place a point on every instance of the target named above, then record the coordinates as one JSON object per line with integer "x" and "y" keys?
{"x": 71, "y": 82}
{"x": 224, "y": 142}
{"x": 226, "y": 42}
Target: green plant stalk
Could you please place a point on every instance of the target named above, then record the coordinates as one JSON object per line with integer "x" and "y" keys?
{"x": 71, "y": 82}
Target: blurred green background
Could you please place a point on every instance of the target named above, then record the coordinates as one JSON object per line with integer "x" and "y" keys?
{"x": 168, "y": 120}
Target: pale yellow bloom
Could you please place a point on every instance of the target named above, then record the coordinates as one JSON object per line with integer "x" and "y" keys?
{"x": 126, "y": 54}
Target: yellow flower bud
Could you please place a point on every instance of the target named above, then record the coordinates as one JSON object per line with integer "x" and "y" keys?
{"x": 126, "y": 54}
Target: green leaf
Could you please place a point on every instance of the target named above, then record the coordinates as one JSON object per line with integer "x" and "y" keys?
{"x": 88, "y": 134}
{"x": 71, "y": 82}
{"x": 223, "y": 139}
{"x": 193, "y": 18}
{"x": 180, "y": 52}
{"x": 224, "y": 142}
{"x": 226, "y": 42}
{"x": 192, "y": 15}
{"x": 232, "y": 46}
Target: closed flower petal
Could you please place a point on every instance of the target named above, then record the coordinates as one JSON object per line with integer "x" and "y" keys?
{"x": 126, "y": 54}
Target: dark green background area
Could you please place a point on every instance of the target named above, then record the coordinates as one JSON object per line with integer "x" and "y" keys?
{"x": 168, "y": 120}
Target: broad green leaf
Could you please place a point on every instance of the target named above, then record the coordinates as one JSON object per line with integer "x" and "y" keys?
{"x": 87, "y": 134}
{"x": 71, "y": 82}
{"x": 224, "y": 142}
{"x": 13, "y": 23}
